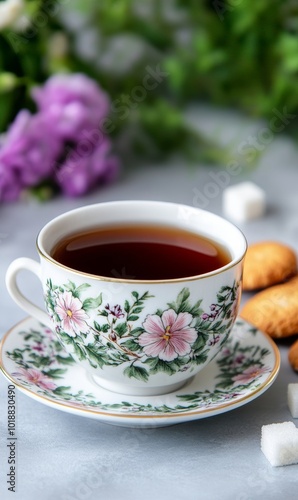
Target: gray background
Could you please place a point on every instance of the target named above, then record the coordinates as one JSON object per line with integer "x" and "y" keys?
{"x": 62, "y": 456}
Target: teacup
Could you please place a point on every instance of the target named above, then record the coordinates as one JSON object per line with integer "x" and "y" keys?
{"x": 137, "y": 336}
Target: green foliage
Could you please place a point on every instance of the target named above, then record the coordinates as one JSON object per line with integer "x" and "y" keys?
{"x": 182, "y": 304}
{"x": 114, "y": 340}
{"x": 137, "y": 372}
{"x": 121, "y": 328}
{"x": 236, "y": 53}
{"x": 92, "y": 303}
{"x": 242, "y": 368}
{"x": 76, "y": 291}
{"x": 55, "y": 373}
{"x": 241, "y": 54}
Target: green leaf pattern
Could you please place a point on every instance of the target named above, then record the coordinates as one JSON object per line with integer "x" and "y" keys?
{"x": 41, "y": 363}
{"x": 172, "y": 340}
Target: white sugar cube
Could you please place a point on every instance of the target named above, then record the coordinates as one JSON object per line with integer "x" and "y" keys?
{"x": 244, "y": 201}
{"x": 279, "y": 443}
{"x": 293, "y": 399}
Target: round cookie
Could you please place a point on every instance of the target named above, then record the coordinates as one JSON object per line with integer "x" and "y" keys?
{"x": 268, "y": 263}
{"x": 293, "y": 356}
{"x": 274, "y": 310}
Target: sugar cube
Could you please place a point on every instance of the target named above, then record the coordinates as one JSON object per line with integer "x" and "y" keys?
{"x": 279, "y": 443}
{"x": 293, "y": 399}
{"x": 243, "y": 201}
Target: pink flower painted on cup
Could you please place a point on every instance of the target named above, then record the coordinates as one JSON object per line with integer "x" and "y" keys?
{"x": 168, "y": 336}
{"x": 36, "y": 377}
{"x": 71, "y": 313}
{"x": 250, "y": 374}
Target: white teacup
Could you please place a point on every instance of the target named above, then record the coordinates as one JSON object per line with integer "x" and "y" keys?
{"x": 137, "y": 337}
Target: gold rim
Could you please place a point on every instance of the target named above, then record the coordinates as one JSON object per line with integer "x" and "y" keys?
{"x": 228, "y": 266}
{"x": 118, "y": 416}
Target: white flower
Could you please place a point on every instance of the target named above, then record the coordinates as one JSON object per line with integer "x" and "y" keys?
{"x": 10, "y": 12}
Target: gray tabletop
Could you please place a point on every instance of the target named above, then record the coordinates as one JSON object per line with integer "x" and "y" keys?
{"x": 63, "y": 456}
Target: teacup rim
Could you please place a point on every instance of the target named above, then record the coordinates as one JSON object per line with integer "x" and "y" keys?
{"x": 96, "y": 277}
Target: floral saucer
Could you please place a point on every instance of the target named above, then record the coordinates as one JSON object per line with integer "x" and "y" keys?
{"x": 34, "y": 361}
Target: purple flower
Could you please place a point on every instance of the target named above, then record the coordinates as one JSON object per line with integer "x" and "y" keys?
{"x": 39, "y": 347}
{"x": 205, "y": 316}
{"x": 115, "y": 311}
{"x": 81, "y": 171}
{"x": 27, "y": 156}
{"x": 63, "y": 141}
{"x": 214, "y": 341}
{"x": 75, "y": 103}
{"x": 225, "y": 351}
{"x": 66, "y": 94}
{"x": 10, "y": 187}
{"x": 239, "y": 359}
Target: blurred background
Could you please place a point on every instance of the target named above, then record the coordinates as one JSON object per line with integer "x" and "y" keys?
{"x": 154, "y": 60}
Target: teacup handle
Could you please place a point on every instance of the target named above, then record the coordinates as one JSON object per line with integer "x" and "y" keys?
{"x": 25, "y": 264}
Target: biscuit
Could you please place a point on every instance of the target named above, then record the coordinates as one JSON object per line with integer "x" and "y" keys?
{"x": 274, "y": 310}
{"x": 293, "y": 356}
{"x": 268, "y": 263}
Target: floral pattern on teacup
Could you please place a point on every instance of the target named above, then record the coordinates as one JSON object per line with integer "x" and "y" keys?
{"x": 168, "y": 336}
{"x": 170, "y": 340}
{"x": 71, "y": 313}
{"x": 240, "y": 370}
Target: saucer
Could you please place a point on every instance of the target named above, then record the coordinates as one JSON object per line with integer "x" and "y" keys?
{"x": 35, "y": 362}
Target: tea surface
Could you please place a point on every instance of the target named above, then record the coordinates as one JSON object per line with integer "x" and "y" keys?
{"x": 140, "y": 252}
